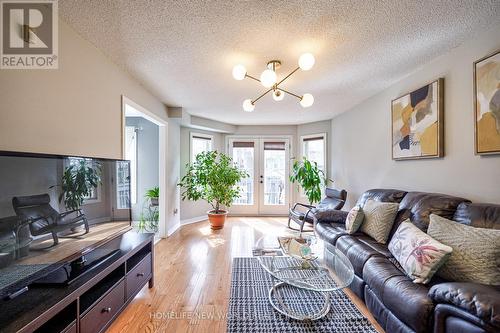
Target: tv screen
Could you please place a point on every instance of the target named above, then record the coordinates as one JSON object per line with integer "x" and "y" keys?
{"x": 54, "y": 209}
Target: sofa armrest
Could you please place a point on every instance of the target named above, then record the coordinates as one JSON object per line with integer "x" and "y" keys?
{"x": 480, "y": 300}
{"x": 329, "y": 215}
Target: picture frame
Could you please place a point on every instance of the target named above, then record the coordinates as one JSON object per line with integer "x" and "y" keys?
{"x": 417, "y": 123}
{"x": 486, "y": 92}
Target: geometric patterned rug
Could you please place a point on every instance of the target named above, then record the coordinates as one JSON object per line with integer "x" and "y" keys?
{"x": 250, "y": 310}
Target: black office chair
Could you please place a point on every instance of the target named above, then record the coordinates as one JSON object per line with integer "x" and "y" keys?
{"x": 43, "y": 219}
{"x": 303, "y": 213}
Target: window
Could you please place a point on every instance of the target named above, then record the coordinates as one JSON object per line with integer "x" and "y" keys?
{"x": 314, "y": 149}
{"x": 95, "y": 193}
{"x": 122, "y": 183}
{"x": 200, "y": 143}
{"x": 243, "y": 157}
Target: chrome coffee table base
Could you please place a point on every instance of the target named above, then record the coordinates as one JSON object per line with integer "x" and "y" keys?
{"x": 285, "y": 310}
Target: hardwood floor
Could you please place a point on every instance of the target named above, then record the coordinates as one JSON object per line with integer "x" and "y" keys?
{"x": 193, "y": 275}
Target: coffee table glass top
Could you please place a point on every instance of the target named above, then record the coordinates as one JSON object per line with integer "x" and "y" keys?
{"x": 324, "y": 270}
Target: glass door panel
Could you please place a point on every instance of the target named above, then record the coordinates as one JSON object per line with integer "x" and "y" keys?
{"x": 274, "y": 177}
{"x": 245, "y": 156}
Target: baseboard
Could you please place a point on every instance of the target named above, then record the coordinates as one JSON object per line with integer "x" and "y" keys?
{"x": 194, "y": 220}
{"x": 173, "y": 229}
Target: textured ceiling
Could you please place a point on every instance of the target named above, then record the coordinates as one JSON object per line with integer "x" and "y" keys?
{"x": 183, "y": 51}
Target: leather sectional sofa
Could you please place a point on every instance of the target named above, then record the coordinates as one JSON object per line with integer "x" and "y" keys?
{"x": 398, "y": 304}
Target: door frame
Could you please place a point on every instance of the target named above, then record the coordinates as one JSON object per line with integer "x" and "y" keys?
{"x": 162, "y": 157}
{"x": 264, "y": 137}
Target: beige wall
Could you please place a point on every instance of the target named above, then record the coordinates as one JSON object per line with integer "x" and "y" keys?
{"x": 361, "y": 137}
{"x": 76, "y": 109}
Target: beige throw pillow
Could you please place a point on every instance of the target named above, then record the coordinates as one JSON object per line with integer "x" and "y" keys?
{"x": 419, "y": 254}
{"x": 354, "y": 219}
{"x": 379, "y": 218}
{"x": 476, "y": 251}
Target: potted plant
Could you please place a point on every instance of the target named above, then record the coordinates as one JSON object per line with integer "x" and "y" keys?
{"x": 152, "y": 195}
{"x": 150, "y": 215}
{"x": 212, "y": 177}
{"x": 309, "y": 177}
{"x": 78, "y": 182}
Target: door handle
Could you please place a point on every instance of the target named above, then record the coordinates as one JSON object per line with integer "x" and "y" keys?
{"x": 106, "y": 310}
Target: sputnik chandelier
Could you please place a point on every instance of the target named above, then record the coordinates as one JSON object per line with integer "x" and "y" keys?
{"x": 269, "y": 79}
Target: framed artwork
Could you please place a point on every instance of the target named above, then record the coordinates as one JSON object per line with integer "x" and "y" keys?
{"x": 417, "y": 123}
{"x": 487, "y": 104}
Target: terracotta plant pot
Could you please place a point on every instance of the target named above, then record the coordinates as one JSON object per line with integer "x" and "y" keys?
{"x": 217, "y": 220}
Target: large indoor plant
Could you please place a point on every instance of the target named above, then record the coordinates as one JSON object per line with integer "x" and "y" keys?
{"x": 309, "y": 177}
{"x": 212, "y": 177}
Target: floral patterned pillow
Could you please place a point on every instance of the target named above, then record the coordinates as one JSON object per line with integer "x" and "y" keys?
{"x": 354, "y": 219}
{"x": 419, "y": 254}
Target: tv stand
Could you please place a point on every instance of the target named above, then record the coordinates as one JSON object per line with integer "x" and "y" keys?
{"x": 90, "y": 303}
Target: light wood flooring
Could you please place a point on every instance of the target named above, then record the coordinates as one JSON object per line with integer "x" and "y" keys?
{"x": 193, "y": 276}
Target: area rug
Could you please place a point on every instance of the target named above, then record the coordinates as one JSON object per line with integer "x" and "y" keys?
{"x": 250, "y": 310}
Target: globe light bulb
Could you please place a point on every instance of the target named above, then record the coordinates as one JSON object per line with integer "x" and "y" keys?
{"x": 268, "y": 78}
{"x": 239, "y": 72}
{"x": 307, "y": 100}
{"x": 278, "y": 95}
{"x": 306, "y": 61}
{"x": 248, "y": 105}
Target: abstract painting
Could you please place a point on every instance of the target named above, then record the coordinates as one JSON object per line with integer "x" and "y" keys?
{"x": 487, "y": 104}
{"x": 417, "y": 123}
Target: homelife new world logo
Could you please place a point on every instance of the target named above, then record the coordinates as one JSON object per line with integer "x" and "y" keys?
{"x": 28, "y": 34}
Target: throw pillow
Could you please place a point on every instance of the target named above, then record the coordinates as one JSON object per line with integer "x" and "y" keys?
{"x": 419, "y": 254}
{"x": 354, "y": 219}
{"x": 379, "y": 218}
{"x": 476, "y": 251}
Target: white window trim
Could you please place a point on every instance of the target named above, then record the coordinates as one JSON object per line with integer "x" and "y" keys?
{"x": 201, "y": 135}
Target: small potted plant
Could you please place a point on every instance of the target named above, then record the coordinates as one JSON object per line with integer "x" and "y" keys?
{"x": 309, "y": 177}
{"x": 152, "y": 195}
{"x": 212, "y": 177}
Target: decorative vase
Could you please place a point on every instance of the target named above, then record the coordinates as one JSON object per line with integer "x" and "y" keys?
{"x": 217, "y": 219}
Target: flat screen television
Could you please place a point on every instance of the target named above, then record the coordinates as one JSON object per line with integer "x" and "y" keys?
{"x": 55, "y": 209}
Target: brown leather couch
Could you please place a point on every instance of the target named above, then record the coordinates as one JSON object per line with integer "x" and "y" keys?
{"x": 398, "y": 304}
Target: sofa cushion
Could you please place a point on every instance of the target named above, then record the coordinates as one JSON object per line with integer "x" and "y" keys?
{"x": 379, "y": 217}
{"x": 478, "y": 215}
{"x": 382, "y": 195}
{"x": 329, "y": 232}
{"x": 382, "y": 249}
{"x": 418, "y": 206}
{"x": 356, "y": 251}
{"x": 479, "y": 300}
{"x": 354, "y": 219}
{"x": 330, "y": 215}
{"x": 408, "y": 301}
{"x": 419, "y": 255}
{"x": 476, "y": 251}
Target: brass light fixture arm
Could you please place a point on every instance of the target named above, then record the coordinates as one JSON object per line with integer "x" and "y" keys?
{"x": 286, "y": 77}
{"x": 252, "y": 77}
{"x": 255, "y": 100}
{"x": 290, "y": 93}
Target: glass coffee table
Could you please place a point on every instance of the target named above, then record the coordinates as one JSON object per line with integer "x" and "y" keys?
{"x": 325, "y": 270}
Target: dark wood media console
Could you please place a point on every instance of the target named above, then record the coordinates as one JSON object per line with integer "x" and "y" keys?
{"x": 91, "y": 303}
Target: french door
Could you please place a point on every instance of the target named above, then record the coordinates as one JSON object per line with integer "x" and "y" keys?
{"x": 266, "y": 160}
